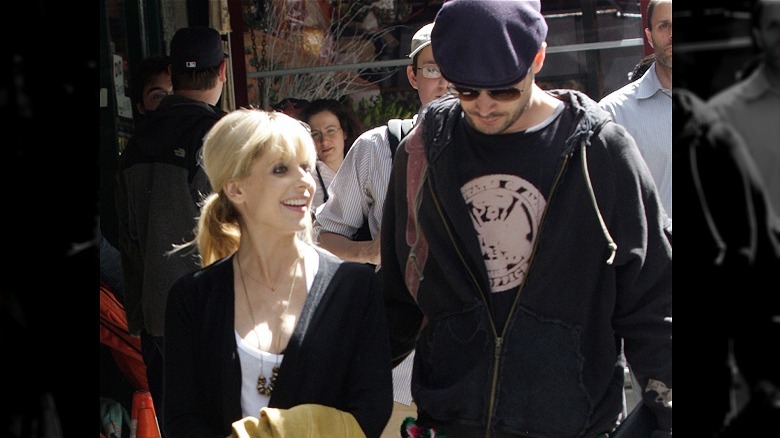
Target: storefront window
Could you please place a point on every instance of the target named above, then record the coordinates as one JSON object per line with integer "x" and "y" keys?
{"x": 337, "y": 48}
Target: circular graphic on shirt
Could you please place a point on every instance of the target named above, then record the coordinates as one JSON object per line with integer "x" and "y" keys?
{"x": 506, "y": 211}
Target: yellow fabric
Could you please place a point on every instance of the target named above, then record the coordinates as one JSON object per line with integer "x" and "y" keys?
{"x": 302, "y": 421}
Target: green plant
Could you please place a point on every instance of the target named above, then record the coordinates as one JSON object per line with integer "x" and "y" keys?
{"x": 378, "y": 109}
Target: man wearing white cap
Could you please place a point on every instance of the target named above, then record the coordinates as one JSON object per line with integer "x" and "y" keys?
{"x": 358, "y": 192}
{"x": 360, "y": 185}
{"x": 523, "y": 240}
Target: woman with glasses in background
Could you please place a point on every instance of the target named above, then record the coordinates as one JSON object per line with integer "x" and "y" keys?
{"x": 334, "y": 128}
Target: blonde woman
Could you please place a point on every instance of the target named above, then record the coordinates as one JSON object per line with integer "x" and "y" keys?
{"x": 270, "y": 320}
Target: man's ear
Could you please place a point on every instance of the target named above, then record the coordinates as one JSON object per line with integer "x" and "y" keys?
{"x": 757, "y": 40}
{"x": 223, "y": 70}
{"x": 539, "y": 58}
{"x": 410, "y": 74}
{"x": 649, "y": 37}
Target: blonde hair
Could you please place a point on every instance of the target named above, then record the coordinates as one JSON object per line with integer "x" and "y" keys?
{"x": 230, "y": 148}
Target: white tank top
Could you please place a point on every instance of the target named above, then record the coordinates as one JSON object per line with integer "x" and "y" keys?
{"x": 253, "y": 360}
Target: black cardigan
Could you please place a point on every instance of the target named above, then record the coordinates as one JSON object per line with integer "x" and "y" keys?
{"x": 338, "y": 355}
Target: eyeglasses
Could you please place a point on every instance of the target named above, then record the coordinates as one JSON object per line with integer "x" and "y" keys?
{"x": 304, "y": 124}
{"x": 430, "y": 71}
{"x": 330, "y": 132}
{"x": 499, "y": 94}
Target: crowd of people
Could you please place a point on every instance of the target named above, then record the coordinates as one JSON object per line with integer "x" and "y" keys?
{"x": 518, "y": 252}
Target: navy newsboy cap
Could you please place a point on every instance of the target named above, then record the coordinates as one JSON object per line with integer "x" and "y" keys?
{"x": 507, "y": 35}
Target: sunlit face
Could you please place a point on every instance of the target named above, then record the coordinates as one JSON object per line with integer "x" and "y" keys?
{"x": 491, "y": 116}
{"x": 660, "y": 34}
{"x": 427, "y": 88}
{"x": 277, "y": 194}
{"x": 768, "y": 35}
{"x": 154, "y": 92}
{"x": 329, "y": 138}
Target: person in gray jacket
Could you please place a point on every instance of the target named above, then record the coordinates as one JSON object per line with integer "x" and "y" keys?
{"x": 523, "y": 241}
{"x": 159, "y": 186}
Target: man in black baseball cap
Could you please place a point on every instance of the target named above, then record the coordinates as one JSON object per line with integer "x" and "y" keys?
{"x": 160, "y": 183}
{"x": 522, "y": 241}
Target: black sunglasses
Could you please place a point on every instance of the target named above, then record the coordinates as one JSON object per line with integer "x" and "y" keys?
{"x": 500, "y": 94}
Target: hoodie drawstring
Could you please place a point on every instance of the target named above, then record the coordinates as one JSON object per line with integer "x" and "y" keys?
{"x": 610, "y": 242}
{"x": 705, "y": 208}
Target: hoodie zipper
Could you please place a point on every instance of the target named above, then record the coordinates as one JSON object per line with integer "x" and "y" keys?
{"x": 499, "y": 340}
{"x": 457, "y": 249}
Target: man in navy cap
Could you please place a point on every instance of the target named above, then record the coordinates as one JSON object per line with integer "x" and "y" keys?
{"x": 522, "y": 242}
{"x": 159, "y": 186}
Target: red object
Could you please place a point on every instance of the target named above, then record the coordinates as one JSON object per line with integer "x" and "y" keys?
{"x": 143, "y": 419}
{"x": 125, "y": 348}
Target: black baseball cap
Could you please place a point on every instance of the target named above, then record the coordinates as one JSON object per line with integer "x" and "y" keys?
{"x": 196, "y": 48}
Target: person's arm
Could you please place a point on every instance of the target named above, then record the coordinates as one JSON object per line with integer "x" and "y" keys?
{"x": 643, "y": 308}
{"x": 370, "y": 390}
{"x": 184, "y": 393}
{"x": 403, "y": 314}
{"x": 357, "y": 193}
{"x": 130, "y": 253}
{"x": 366, "y": 251}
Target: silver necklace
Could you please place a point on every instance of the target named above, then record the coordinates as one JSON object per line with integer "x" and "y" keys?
{"x": 264, "y": 386}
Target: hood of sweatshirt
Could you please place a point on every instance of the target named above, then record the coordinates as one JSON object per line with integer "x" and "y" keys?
{"x": 440, "y": 117}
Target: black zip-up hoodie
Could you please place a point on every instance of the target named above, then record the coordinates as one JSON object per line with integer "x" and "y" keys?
{"x": 600, "y": 271}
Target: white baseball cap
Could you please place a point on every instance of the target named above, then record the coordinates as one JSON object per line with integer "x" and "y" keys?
{"x": 421, "y": 39}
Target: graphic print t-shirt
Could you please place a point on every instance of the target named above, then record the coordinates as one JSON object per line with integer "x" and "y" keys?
{"x": 505, "y": 181}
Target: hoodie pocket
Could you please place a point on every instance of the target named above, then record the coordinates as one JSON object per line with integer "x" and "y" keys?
{"x": 541, "y": 390}
{"x": 452, "y": 375}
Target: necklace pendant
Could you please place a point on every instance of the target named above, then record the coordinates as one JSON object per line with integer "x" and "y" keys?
{"x": 274, "y": 375}
{"x": 261, "y": 388}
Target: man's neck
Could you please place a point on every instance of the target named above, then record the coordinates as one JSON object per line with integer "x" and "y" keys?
{"x": 210, "y": 97}
{"x": 772, "y": 76}
{"x": 664, "y": 75}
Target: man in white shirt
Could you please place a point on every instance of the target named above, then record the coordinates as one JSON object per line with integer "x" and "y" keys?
{"x": 644, "y": 106}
